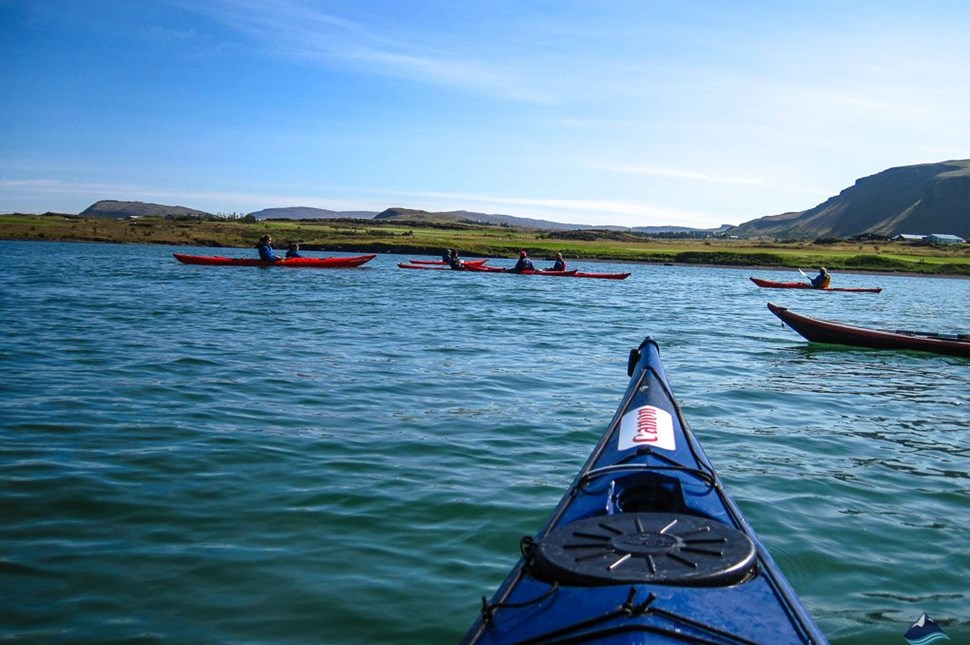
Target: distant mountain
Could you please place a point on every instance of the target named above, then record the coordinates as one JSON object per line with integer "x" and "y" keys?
{"x": 306, "y": 212}
{"x": 121, "y": 210}
{"x": 414, "y": 215}
{"x": 457, "y": 217}
{"x": 920, "y": 199}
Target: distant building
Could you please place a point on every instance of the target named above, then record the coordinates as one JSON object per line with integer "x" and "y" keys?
{"x": 909, "y": 237}
{"x": 941, "y": 238}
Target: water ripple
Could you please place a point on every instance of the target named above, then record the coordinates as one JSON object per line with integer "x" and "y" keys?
{"x": 194, "y": 454}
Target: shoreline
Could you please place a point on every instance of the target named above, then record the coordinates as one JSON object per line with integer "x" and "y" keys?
{"x": 847, "y": 257}
{"x": 382, "y": 250}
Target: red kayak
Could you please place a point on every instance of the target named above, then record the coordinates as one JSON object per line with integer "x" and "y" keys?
{"x": 446, "y": 263}
{"x": 430, "y": 266}
{"x": 825, "y": 331}
{"x": 566, "y": 274}
{"x": 771, "y": 284}
{"x": 486, "y": 269}
{"x": 483, "y": 269}
{"x": 306, "y": 263}
{"x": 479, "y": 267}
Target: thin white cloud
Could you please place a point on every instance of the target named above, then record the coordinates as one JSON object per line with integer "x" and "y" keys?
{"x": 302, "y": 31}
{"x": 675, "y": 174}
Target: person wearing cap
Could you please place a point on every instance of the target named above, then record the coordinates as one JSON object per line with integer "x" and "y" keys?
{"x": 293, "y": 251}
{"x": 560, "y": 264}
{"x": 524, "y": 264}
{"x": 822, "y": 280}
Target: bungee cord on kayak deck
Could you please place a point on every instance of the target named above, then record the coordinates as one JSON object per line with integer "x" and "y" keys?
{"x": 581, "y": 631}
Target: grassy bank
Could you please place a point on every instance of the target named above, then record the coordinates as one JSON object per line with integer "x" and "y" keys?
{"x": 493, "y": 241}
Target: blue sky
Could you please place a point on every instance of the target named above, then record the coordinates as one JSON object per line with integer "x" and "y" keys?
{"x": 625, "y": 112}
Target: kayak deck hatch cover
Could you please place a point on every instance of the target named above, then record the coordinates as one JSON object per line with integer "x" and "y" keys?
{"x": 646, "y": 546}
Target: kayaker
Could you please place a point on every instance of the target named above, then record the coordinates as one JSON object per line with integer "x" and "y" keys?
{"x": 293, "y": 251}
{"x": 446, "y": 256}
{"x": 455, "y": 262}
{"x": 822, "y": 280}
{"x": 560, "y": 264}
{"x": 265, "y": 247}
{"x": 524, "y": 264}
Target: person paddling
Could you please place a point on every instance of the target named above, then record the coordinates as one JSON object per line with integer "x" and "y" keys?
{"x": 822, "y": 280}
{"x": 524, "y": 264}
{"x": 265, "y": 247}
{"x": 446, "y": 256}
{"x": 293, "y": 251}
{"x": 560, "y": 264}
{"x": 455, "y": 262}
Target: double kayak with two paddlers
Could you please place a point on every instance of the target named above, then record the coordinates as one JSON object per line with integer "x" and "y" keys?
{"x": 572, "y": 273}
{"x": 646, "y": 546}
{"x": 771, "y": 284}
{"x": 309, "y": 263}
{"x": 481, "y": 268}
{"x": 436, "y": 265}
{"x": 442, "y": 262}
{"x": 826, "y": 331}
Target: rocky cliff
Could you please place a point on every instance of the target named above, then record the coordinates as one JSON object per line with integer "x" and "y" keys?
{"x": 921, "y": 199}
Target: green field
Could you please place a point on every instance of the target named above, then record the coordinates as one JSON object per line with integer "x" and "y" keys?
{"x": 423, "y": 238}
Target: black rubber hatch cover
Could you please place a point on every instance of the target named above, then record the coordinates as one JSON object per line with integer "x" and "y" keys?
{"x": 660, "y": 548}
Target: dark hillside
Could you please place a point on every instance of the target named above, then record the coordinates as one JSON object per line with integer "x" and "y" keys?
{"x": 122, "y": 210}
{"x": 921, "y": 199}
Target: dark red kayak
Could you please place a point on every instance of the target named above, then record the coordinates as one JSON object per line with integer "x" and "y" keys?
{"x": 825, "y": 331}
{"x": 306, "y": 263}
{"x": 771, "y": 284}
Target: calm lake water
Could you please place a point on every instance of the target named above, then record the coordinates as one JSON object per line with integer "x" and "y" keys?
{"x": 238, "y": 455}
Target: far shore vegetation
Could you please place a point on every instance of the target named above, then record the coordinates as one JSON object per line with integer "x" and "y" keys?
{"x": 494, "y": 241}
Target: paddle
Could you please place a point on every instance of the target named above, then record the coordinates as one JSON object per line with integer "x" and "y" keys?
{"x": 807, "y": 277}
